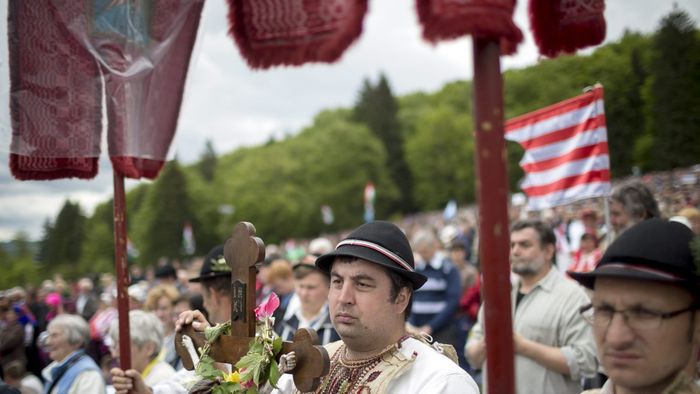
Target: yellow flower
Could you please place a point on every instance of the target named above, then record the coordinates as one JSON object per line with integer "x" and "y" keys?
{"x": 232, "y": 377}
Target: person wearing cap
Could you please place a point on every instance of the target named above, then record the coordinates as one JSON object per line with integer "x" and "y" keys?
{"x": 553, "y": 343}
{"x": 646, "y": 293}
{"x": 215, "y": 278}
{"x": 373, "y": 278}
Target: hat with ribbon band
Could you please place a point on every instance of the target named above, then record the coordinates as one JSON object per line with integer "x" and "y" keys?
{"x": 381, "y": 243}
{"x": 654, "y": 249}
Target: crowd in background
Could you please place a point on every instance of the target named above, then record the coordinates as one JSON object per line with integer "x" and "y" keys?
{"x": 60, "y": 319}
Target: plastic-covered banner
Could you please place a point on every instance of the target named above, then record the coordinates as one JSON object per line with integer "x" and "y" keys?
{"x": 68, "y": 58}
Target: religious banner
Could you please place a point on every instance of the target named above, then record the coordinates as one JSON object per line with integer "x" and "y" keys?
{"x": 449, "y": 19}
{"x": 564, "y": 26}
{"x": 62, "y": 54}
{"x": 283, "y": 32}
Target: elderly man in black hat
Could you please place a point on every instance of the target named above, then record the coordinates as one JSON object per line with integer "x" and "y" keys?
{"x": 646, "y": 290}
{"x": 215, "y": 278}
{"x": 373, "y": 278}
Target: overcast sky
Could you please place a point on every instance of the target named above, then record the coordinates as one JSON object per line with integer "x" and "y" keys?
{"x": 234, "y": 106}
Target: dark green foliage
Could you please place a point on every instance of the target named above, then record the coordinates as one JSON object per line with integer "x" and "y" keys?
{"x": 98, "y": 247}
{"x": 281, "y": 187}
{"x": 441, "y": 156}
{"x": 207, "y": 162}
{"x": 19, "y": 268}
{"x": 159, "y": 223}
{"x": 673, "y": 93}
{"x": 376, "y": 107}
{"x": 62, "y": 242}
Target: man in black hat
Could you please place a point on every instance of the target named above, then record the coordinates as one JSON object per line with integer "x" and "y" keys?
{"x": 215, "y": 278}
{"x": 373, "y": 277}
{"x": 644, "y": 310}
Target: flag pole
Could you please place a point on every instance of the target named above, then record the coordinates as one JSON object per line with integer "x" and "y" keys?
{"x": 608, "y": 226}
{"x": 121, "y": 270}
{"x": 494, "y": 237}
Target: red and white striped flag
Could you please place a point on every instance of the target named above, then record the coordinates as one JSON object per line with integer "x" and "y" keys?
{"x": 566, "y": 150}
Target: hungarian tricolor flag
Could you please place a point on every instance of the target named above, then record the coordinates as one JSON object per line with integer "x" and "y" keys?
{"x": 369, "y": 196}
{"x": 566, "y": 150}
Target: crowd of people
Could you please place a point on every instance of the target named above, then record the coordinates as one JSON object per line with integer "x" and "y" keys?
{"x": 63, "y": 337}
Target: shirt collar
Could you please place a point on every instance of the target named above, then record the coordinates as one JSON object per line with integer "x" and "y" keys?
{"x": 547, "y": 282}
{"x": 436, "y": 262}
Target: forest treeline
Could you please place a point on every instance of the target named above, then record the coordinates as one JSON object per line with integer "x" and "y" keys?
{"x": 417, "y": 150}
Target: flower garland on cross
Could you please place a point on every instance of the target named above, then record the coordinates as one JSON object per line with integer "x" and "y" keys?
{"x": 257, "y": 368}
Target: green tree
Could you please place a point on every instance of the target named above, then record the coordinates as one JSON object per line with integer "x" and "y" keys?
{"x": 98, "y": 248}
{"x": 377, "y": 108}
{"x": 328, "y": 163}
{"x": 159, "y": 223}
{"x": 45, "y": 244}
{"x": 672, "y": 92}
{"x": 61, "y": 242}
{"x": 20, "y": 269}
{"x": 441, "y": 155}
{"x": 207, "y": 162}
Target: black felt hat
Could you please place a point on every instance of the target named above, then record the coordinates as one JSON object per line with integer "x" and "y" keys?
{"x": 166, "y": 271}
{"x": 381, "y": 243}
{"x": 654, "y": 249}
{"x": 214, "y": 265}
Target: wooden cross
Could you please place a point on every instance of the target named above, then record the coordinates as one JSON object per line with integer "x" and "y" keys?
{"x": 242, "y": 251}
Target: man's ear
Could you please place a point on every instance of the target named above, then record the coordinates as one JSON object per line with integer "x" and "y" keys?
{"x": 696, "y": 328}
{"x": 402, "y": 299}
{"x": 549, "y": 251}
{"x": 150, "y": 347}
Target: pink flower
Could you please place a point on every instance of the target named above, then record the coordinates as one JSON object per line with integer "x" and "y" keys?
{"x": 267, "y": 307}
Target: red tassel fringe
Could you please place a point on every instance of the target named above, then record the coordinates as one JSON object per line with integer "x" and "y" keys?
{"x": 279, "y": 44}
{"x": 565, "y": 30}
{"x": 445, "y": 20}
{"x": 136, "y": 168}
{"x": 25, "y": 168}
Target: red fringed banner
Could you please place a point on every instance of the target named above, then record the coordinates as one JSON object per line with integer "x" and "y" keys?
{"x": 564, "y": 26}
{"x": 143, "y": 107}
{"x": 448, "y": 19}
{"x": 55, "y": 94}
{"x": 57, "y": 51}
{"x": 293, "y": 32}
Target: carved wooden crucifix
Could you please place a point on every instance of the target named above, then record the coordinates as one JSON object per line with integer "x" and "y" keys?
{"x": 242, "y": 251}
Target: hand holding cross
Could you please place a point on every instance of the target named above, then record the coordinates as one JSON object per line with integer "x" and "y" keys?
{"x": 242, "y": 251}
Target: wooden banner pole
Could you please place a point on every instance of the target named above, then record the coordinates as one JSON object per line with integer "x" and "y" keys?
{"x": 494, "y": 237}
{"x": 121, "y": 269}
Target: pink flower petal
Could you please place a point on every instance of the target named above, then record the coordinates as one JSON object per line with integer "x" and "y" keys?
{"x": 267, "y": 307}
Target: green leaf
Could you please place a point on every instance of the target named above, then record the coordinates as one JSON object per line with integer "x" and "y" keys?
{"x": 255, "y": 346}
{"x": 248, "y": 361}
{"x": 274, "y": 373}
{"x": 277, "y": 345}
{"x": 207, "y": 370}
{"x": 256, "y": 374}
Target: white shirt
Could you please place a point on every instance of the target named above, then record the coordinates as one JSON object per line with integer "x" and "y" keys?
{"x": 30, "y": 384}
{"x": 87, "y": 382}
{"x": 430, "y": 373}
